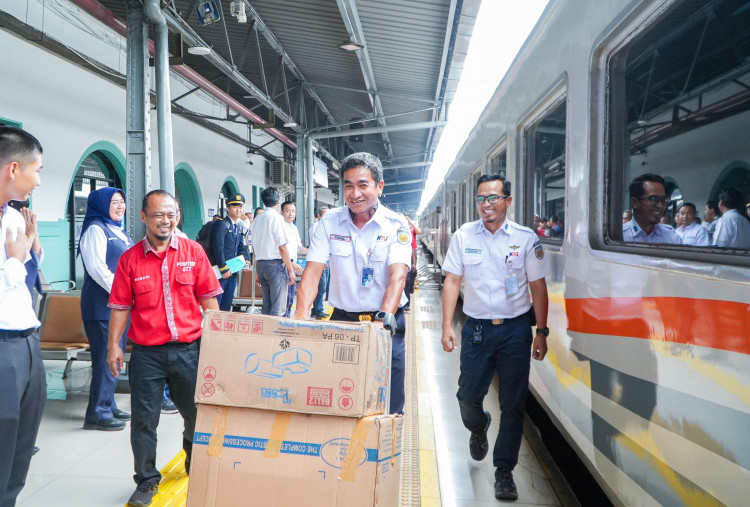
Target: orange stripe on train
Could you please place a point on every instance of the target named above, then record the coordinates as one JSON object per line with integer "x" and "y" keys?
{"x": 706, "y": 322}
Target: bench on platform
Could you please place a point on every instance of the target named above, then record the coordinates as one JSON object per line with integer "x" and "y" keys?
{"x": 61, "y": 334}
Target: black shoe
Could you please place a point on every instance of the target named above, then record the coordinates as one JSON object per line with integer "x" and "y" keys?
{"x": 105, "y": 425}
{"x": 119, "y": 414}
{"x": 505, "y": 488}
{"x": 168, "y": 407}
{"x": 144, "y": 494}
{"x": 35, "y": 450}
{"x": 478, "y": 445}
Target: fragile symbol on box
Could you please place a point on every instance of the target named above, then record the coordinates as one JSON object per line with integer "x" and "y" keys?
{"x": 208, "y": 389}
{"x": 216, "y": 324}
{"x": 256, "y": 327}
{"x": 229, "y": 325}
{"x": 345, "y": 402}
{"x": 209, "y": 373}
{"x": 319, "y": 396}
{"x": 243, "y": 326}
{"x": 346, "y": 385}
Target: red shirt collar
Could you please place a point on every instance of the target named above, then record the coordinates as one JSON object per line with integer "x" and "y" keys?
{"x": 173, "y": 243}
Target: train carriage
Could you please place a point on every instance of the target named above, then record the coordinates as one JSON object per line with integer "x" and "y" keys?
{"x": 648, "y": 374}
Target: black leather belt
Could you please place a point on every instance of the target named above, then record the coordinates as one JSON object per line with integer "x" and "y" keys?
{"x": 19, "y": 333}
{"x": 496, "y": 322}
{"x": 339, "y": 314}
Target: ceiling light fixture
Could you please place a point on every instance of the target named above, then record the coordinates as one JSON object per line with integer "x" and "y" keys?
{"x": 350, "y": 45}
{"x": 199, "y": 50}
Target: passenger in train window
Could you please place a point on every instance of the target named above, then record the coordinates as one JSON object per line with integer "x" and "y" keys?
{"x": 711, "y": 215}
{"x": 499, "y": 262}
{"x": 543, "y": 230}
{"x": 555, "y": 227}
{"x": 627, "y": 216}
{"x": 161, "y": 283}
{"x": 369, "y": 248}
{"x": 103, "y": 241}
{"x": 733, "y": 228}
{"x": 649, "y": 200}
{"x": 22, "y": 374}
{"x": 690, "y": 231}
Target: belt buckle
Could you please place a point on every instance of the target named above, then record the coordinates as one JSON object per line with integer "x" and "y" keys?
{"x": 365, "y": 317}
{"x": 497, "y": 322}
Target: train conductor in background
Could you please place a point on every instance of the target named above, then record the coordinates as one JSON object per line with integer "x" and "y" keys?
{"x": 497, "y": 335}
{"x": 228, "y": 241}
{"x": 369, "y": 247}
{"x": 649, "y": 200}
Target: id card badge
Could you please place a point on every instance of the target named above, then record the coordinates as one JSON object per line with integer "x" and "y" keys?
{"x": 511, "y": 284}
{"x": 368, "y": 277}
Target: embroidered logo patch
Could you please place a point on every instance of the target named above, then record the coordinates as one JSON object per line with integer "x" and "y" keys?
{"x": 337, "y": 237}
{"x": 539, "y": 252}
{"x": 404, "y": 236}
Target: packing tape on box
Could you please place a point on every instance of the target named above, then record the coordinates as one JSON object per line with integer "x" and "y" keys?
{"x": 216, "y": 440}
{"x": 393, "y": 441}
{"x": 357, "y": 443}
{"x": 278, "y": 431}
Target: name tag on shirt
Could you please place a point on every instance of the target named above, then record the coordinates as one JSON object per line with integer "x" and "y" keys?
{"x": 368, "y": 277}
{"x": 511, "y": 284}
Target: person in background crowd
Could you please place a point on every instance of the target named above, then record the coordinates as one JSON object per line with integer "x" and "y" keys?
{"x": 411, "y": 277}
{"x": 665, "y": 220}
{"x": 102, "y": 243}
{"x": 711, "y": 215}
{"x": 161, "y": 283}
{"x": 258, "y": 211}
{"x": 318, "y": 310}
{"x": 368, "y": 246}
{"x": 555, "y": 227}
{"x": 273, "y": 263}
{"x": 627, "y": 216}
{"x": 648, "y": 199}
{"x": 733, "y": 228}
{"x": 22, "y": 375}
{"x": 227, "y": 242}
{"x": 690, "y": 231}
{"x": 33, "y": 280}
{"x": 294, "y": 247}
{"x": 247, "y": 231}
{"x": 496, "y": 338}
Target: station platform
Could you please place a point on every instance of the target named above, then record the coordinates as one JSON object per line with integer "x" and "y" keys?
{"x": 75, "y": 467}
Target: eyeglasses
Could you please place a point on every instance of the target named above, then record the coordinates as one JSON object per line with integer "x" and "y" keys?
{"x": 492, "y": 199}
{"x": 159, "y": 216}
{"x": 656, "y": 199}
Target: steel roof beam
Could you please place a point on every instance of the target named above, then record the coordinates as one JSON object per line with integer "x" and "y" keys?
{"x": 407, "y": 165}
{"x": 350, "y": 17}
{"x": 381, "y": 93}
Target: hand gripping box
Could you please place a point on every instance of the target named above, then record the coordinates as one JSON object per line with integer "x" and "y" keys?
{"x": 308, "y": 366}
{"x": 245, "y": 456}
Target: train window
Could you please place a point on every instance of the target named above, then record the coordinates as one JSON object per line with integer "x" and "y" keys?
{"x": 498, "y": 163}
{"x": 678, "y": 113}
{"x": 545, "y": 159}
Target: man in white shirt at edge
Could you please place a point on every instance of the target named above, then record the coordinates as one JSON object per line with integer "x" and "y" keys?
{"x": 294, "y": 247}
{"x": 22, "y": 374}
{"x": 318, "y": 309}
{"x": 733, "y": 228}
{"x": 691, "y": 232}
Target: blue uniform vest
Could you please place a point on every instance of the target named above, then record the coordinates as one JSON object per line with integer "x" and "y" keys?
{"x": 94, "y": 298}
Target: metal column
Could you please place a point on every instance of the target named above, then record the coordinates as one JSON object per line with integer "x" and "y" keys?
{"x": 138, "y": 141}
{"x": 310, "y": 182}
{"x": 299, "y": 194}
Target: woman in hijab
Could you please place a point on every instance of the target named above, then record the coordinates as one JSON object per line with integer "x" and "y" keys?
{"x": 102, "y": 243}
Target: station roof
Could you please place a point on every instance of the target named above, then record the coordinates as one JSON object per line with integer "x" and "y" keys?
{"x": 286, "y": 58}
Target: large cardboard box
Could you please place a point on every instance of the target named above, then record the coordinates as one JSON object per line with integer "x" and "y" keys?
{"x": 245, "y": 456}
{"x": 308, "y": 366}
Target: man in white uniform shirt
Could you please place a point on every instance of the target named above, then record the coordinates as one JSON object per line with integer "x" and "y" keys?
{"x": 318, "y": 310}
{"x": 648, "y": 198}
{"x": 500, "y": 262}
{"x": 294, "y": 247}
{"x": 273, "y": 264}
{"x": 690, "y": 231}
{"x": 22, "y": 374}
{"x": 369, "y": 247}
{"x": 733, "y": 228}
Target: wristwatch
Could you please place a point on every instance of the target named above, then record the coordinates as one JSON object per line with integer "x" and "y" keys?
{"x": 388, "y": 320}
{"x": 543, "y": 330}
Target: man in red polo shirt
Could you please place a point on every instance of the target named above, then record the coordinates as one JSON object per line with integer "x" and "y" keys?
{"x": 161, "y": 283}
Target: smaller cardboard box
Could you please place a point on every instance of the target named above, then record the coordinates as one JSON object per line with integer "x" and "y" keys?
{"x": 307, "y": 366}
{"x": 245, "y": 456}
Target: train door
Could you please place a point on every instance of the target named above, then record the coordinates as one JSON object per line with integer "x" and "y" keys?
{"x": 97, "y": 170}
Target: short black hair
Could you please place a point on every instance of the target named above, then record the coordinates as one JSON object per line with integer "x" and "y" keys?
{"x": 144, "y": 204}
{"x": 689, "y": 205}
{"x": 636, "y": 186}
{"x": 495, "y": 177}
{"x": 554, "y": 218}
{"x": 285, "y": 204}
{"x": 257, "y": 210}
{"x": 365, "y": 159}
{"x": 732, "y": 198}
{"x": 270, "y": 196}
{"x": 17, "y": 144}
{"x": 714, "y": 205}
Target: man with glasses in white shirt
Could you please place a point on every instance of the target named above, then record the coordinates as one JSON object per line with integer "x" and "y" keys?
{"x": 648, "y": 198}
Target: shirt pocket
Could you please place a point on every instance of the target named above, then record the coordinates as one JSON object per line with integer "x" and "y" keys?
{"x": 515, "y": 261}
{"x": 473, "y": 266}
{"x": 145, "y": 295}
{"x": 185, "y": 286}
{"x": 342, "y": 259}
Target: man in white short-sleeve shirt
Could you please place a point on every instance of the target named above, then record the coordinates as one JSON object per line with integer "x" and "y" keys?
{"x": 369, "y": 249}
{"x": 500, "y": 262}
